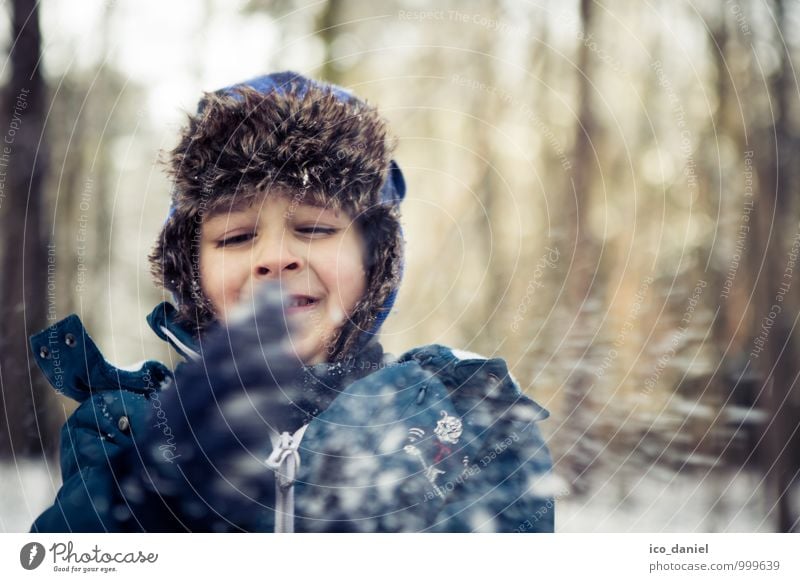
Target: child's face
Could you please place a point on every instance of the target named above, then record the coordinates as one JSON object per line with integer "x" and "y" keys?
{"x": 316, "y": 253}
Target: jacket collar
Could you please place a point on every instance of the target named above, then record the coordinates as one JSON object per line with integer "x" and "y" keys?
{"x": 163, "y": 320}
{"x": 369, "y": 358}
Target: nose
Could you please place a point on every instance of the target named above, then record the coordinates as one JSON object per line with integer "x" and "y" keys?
{"x": 274, "y": 257}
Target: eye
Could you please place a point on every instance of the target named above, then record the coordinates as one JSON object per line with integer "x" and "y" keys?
{"x": 315, "y": 231}
{"x": 235, "y": 240}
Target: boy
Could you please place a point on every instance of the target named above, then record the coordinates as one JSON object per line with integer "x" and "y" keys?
{"x": 283, "y": 251}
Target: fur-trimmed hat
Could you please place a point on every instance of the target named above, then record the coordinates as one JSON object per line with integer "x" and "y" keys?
{"x": 285, "y": 132}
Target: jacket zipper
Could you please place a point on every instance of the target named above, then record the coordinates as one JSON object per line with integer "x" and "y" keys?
{"x": 285, "y": 462}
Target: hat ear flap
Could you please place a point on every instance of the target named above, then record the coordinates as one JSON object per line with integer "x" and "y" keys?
{"x": 393, "y": 190}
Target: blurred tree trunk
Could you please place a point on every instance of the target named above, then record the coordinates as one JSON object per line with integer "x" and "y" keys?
{"x": 580, "y": 245}
{"x": 728, "y": 334}
{"x": 488, "y": 188}
{"x": 777, "y": 229}
{"x": 93, "y": 164}
{"x": 327, "y": 27}
{"x": 25, "y": 260}
{"x": 725, "y": 384}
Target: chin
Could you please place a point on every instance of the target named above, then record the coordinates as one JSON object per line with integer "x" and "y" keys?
{"x": 303, "y": 350}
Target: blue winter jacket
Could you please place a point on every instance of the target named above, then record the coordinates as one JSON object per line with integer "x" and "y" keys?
{"x": 436, "y": 440}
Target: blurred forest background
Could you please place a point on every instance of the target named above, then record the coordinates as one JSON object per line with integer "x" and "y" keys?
{"x": 603, "y": 193}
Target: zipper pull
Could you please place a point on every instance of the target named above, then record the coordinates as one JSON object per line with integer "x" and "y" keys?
{"x": 285, "y": 461}
{"x": 285, "y": 457}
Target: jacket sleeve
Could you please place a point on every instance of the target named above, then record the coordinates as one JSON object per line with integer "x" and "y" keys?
{"x": 114, "y": 405}
{"x": 94, "y": 437}
{"x": 507, "y": 487}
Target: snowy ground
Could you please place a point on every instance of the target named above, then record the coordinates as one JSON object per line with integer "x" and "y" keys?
{"x": 659, "y": 501}
{"x": 664, "y": 501}
{"x": 26, "y": 489}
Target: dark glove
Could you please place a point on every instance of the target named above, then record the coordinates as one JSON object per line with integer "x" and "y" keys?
{"x": 206, "y": 460}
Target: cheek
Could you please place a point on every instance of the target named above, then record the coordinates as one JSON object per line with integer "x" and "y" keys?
{"x": 209, "y": 276}
{"x": 350, "y": 280}
{"x": 220, "y": 278}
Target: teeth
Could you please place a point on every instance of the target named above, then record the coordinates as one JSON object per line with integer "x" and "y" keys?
{"x": 300, "y": 302}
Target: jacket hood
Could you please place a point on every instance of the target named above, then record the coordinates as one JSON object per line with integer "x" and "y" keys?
{"x": 285, "y": 133}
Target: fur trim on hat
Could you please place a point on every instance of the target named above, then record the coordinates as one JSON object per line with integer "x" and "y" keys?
{"x": 303, "y": 140}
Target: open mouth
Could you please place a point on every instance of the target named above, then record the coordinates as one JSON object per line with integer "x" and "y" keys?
{"x": 301, "y": 302}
